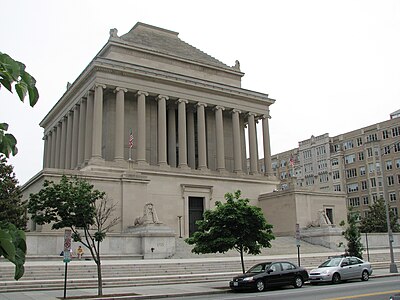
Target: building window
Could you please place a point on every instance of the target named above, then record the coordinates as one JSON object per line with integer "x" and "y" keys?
{"x": 392, "y": 197}
{"x": 389, "y": 165}
{"x": 362, "y": 171}
{"x": 348, "y": 159}
{"x": 355, "y": 201}
{"x": 397, "y": 147}
{"x": 395, "y": 211}
{"x": 274, "y": 166}
{"x": 364, "y": 185}
{"x": 374, "y": 197}
{"x": 352, "y": 187}
{"x": 310, "y": 180}
{"x": 385, "y": 134}
{"x": 348, "y": 145}
{"x": 336, "y": 148}
{"x": 369, "y": 152}
{"x": 386, "y": 150}
{"x": 308, "y": 168}
{"x": 365, "y": 200}
{"x": 351, "y": 173}
{"x": 373, "y": 182}
{"x": 372, "y": 137}
{"x": 307, "y": 154}
{"x": 283, "y": 163}
{"x": 335, "y": 162}
{"x": 322, "y": 165}
{"x": 320, "y": 150}
{"x": 371, "y": 168}
{"x": 396, "y": 131}
{"x": 398, "y": 163}
{"x": 337, "y": 188}
{"x": 398, "y": 178}
{"x": 360, "y": 155}
{"x": 323, "y": 178}
{"x": 335, "y": 175}
{"x": 283, "y": 175}
{"x": 390, "y": 180}
{"x": 359, "y": 141}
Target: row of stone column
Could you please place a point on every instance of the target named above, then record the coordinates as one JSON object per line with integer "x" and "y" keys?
{"x": 77, "y": 137}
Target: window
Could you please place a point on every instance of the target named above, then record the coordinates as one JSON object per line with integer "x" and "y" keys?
{"x": 359, "y": 141}
{"x": 335, "y": 162}
{"x": 307, "y": 154}
{"x": 378, "y": 167}
{"x": 395, "y": 211}
{"x": 385, "y": 134}
{"x": 320, "y": 150}
{"x": 376, "y": 150}
{"x": 373, "y": 182}
{"x": 283, "y": 175}
{"x": 274, "y": 166}
{"x": 369, "y": 152}
{"x": 355, "y": 201}
{"x": 348, "y": 159}
{"x": 348, "y": 145}
{"x": 364, "y": 185}
{"x": 386, "y": 150}
{"x": 365, "y": 200}
{"x": 396, "y": 131}
{"x": 322, "y": 165}
{"x": 389, "y": 165}
{"x": 360, "y": 155}
{"x": 396, "y": 147}
{"x": 390, "y": 180}
{"x": 374, "y": 197}
{"x": 371, "y": 168}
{"x": 372, "y": 137}
{"x": 335, "y": 175}
{"x": 392, "y": 197}
{"x": 337, "y": 188}
{"x": 310, "y": 180}
{"x": 308, "y": 168}
{"x": 336, "y": 148}
{"x": 362, "y": 171}
{"x": 398, "y": 163}
{"x": 283, "y": 163}
{"x": 323, "y": 178}
{"x": 351, "y": 173}
{"x": 352, "y": 187}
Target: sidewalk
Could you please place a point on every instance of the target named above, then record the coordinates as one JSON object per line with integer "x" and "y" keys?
{"x": 142, "y": 292}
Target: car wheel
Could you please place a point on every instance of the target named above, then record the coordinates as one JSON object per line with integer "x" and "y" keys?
{"x": 260, "y": 286}
{"x": 365, "y": 275}
{"x": 336, "y": 278}
{"x": 298, "y": 282}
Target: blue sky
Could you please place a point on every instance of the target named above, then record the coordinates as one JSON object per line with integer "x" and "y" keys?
{"x": 332, "y": 66}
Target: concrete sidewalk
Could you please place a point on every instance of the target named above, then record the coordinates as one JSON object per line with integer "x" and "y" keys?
{"x": 143, "y": 292}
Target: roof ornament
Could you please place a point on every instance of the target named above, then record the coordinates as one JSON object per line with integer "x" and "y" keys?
{"x": 237, "y": 65}
{"x": 113, "y": 33}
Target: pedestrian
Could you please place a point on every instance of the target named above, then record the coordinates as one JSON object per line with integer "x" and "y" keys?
{"x": 80, "y": 252}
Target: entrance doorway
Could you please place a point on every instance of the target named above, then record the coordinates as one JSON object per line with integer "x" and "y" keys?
{"x": 329, "y": 214}
{"x": 196, "y": 210}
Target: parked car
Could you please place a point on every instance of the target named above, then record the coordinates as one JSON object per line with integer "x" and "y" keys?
{"x": 268, "y": 274}
{"x": 395, "y": 297}
{"x": 341, "y": 268}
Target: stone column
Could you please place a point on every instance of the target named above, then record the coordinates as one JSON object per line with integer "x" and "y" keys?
{"x": 182, "y": 133}
{"x": 97, "y": 122}
{"x": 267, "y": 145}
{"x": 219, "y": 124}
{"x": 171, "y": 136}
{"x": 201, "y": 136}
{"x": 190, "y": 139}
{"x": 49, "y": 149}
{"x": 53, "y": 147}
{"x": 63, "y": 142}
{"x": 237, "y": 146}
{"x": 141, "y": 117}
{"x": 253, "y": 144}
{"x": 162, "y": 130}
{"x": 119, "y": 124}
{"x": 75, "y": 135}
{"x": 58, "y": 146}
{"x": 68, "y": 147}
{"x": 82, "y": 128}
{"x": 45, "y": 150}
{"x": 89, "y": 126}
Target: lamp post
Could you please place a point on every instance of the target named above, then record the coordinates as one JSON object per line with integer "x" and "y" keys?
{"x": 180, "y": 226}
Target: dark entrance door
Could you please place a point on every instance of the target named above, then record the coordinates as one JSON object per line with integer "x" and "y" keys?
{"x": 196, "y": 210}
{"x": 329, "y": 214}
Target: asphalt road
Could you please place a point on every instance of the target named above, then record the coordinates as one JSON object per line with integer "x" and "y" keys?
{"x": 374, "y": 289}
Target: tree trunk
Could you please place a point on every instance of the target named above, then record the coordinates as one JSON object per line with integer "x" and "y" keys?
{"x": 241, "y": 258}
{"x": 99, "y": 279}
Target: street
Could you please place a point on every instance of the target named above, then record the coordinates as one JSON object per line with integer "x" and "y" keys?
{"x": 374, "y": 289}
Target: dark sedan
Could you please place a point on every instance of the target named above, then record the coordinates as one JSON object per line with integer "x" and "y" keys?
{"x": 268, "y": 274}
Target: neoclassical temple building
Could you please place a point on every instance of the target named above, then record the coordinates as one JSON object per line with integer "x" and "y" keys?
{"x": 152, "y": 119}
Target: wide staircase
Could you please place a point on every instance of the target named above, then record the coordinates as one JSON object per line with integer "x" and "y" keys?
{"x": 184, "y": 267}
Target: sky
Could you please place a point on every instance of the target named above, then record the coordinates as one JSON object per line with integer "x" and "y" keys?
{"x": 331, "y": 66}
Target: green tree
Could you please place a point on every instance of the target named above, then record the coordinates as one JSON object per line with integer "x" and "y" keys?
{"x": 232, "y": 225}
{"x": 12, "y": 208}
{"x": 73, "y": 203}
{"x": 352, "y": 235}
{"x": 375, "y": 221}
{"x": 13, "y": 76}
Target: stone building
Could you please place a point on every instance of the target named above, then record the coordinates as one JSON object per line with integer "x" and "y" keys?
{"x": 152, "y": 119}
{"x": 363, "y": 163}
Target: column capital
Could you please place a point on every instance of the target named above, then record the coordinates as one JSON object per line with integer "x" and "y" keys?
{"x": 201, "y": 104}
{"x": 235, "y": 110}
{"x": 159, "y": 97}
{"x": 96, "y": 85}
{"x": 182, "y": 101}
{"x": 117, "y": 89}
{"x": 83, "y": 99}
{"x": 89, "y": 93}
{"x": 266, "y": 116}
{"x": 219, "y": 107}
{"x": 142, "y": 93}
{"x": 76, "y": 106}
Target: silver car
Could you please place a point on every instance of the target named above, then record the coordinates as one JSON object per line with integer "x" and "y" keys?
{"x": 341, "y": 268}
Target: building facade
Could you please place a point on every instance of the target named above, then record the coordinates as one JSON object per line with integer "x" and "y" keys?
{"x": 152, "y": 119}
{"x": 364, "y": 163}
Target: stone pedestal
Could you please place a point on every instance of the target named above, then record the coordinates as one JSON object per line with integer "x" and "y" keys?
{"x": 327, "y": 236}
{"x": 157, "y": 240}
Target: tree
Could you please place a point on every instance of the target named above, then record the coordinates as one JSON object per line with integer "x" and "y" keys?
{"x": 12, "y": 208}
{"x": 352, "y": 235}
{"x": 74, "y": 204}
{"x": 13, "y": 74}
{"x": 375, "y": 221}
{"x": 232, "y": 225}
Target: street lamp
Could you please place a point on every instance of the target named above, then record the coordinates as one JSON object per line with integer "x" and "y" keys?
{"x": 393, "y": 267}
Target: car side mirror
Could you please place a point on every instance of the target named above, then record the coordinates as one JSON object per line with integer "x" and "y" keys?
{"x": 270, "y": 271}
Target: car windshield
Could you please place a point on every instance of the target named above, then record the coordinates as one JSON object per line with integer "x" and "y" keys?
{"x": 258, "y": 268}
{"x": 333, "y": 262}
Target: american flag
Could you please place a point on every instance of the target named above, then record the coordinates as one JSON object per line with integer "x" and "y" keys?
{"x": 130, "y": 139}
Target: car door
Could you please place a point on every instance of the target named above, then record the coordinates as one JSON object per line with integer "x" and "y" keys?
{"x": 288, "y": 272}
{"x": 356, "y": 267}
{"x": 274, "y": 274}
{"x": 345, "y": 269}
